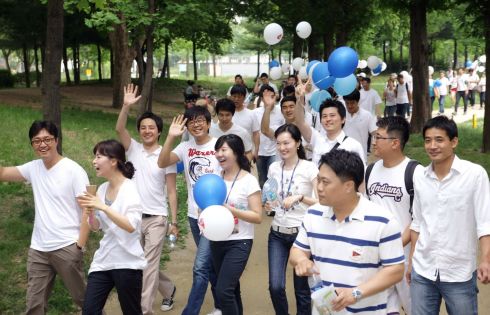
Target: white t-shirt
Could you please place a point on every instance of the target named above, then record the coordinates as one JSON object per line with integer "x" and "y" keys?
{"x": 359, "y": 126}
{"x": 321, "y": 145}
{"x": 149, "y": 178}
{"x": 443, "y": 87}
{"x": 386, "y": 187}
{"x": 473, "y": 80}
{"x": 402, "y": 93}
{"x": 238, "y": 198}
{"x": 301, "y": 183}
{"x": 482, "y": 84}
{"x": 390, "y": 96}
{"x": 57, "y": 214}
{"x": 461, "y": 81}
{"x": 369, "y": 99}
{"x": 267, "y": 146}
{"x": 198, "y": 160}
{"x": 246, "y": 119}
{"x": 235, "y": 129}
{"x": 118, "y": 248}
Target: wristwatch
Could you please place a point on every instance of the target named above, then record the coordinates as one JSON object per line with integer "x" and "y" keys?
{"x": 357, "y": 294}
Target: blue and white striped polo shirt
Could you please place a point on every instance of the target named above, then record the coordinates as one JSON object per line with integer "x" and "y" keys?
{"x": 351, "y": 252}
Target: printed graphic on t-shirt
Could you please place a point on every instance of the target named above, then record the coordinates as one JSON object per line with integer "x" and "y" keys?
{"x": 238, "y": 206}
{"x": 385, "y": 190}
{"x": 200, "y": 163}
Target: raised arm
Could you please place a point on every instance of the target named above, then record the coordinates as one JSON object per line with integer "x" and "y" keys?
{"x": 176, "y": 129}
{"x": 299, "y": 112}
{"x": 130, "y": 98}
{"x": 269, "y": 101}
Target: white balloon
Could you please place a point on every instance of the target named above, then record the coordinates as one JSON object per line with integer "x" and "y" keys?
{"x": 303, "y": 29}
{"x": 483, "y": 58}
{"x": 298, "y": 62}
{"x": 302, "y": 73}
{"x": 273, "y": 33}
{"x": 474, "y": 65}
{"x": 383, "y": 66}
{"x": 373, "y": 62}
{"x": 275, "y": 73}
{"x": 431, "y": 70}
{"x": 481, "y": 69}
{"x": 285, "y": 67}
{"x": 216, "y": 223}
{"x": 362, "y": 64}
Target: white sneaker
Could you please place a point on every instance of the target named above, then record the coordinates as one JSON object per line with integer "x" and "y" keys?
{"x": 215, "y": 312}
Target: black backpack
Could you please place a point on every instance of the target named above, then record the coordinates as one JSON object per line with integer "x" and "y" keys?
{"x": 409, "y": 170}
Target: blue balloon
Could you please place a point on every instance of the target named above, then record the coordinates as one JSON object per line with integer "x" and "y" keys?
{"x": 311, "y": 64}
{"x": 209, "y": 190}
{"x": 321, "y": 76}
{"x": 273, "y": 63}
{"x": 468, "y": 64}
{"x": 342, "y": 62}
{"x": 437, "y": 83}
{"x": 345, "y": 86}
{"x": 180, "y": 167}
{"x": 317, "y": 98}
{"x": 377, "y": 70}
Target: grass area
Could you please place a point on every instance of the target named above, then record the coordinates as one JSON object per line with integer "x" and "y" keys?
{"x": 81, "y": 131}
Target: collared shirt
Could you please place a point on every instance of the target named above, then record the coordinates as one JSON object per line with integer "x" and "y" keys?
{"x": 351, "y": 252}
{"x": 450, "y": 216}
{"x": 149, "y": 178}
{"x": 360, "y": 126}
{"x": 322, "y": 144}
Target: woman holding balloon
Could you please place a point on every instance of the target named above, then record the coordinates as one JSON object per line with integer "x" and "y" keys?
{"x": 243, "y": 200}
{"x": 296, "y": 182}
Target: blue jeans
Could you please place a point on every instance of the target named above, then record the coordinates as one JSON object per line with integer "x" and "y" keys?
{"x": 459, "y": 95}
{"x": 202, "y": 273}
{"x": 442, "y": 99}
{"x": 263, "y": 163}
{"x": 128, "y": 283}
{"x": 279, "y": 246}
{"x": 460, "y": 297}
{"x": 229, "y": 260}
{"x": 390, "y": 110}
{"x": 402, "y": 109}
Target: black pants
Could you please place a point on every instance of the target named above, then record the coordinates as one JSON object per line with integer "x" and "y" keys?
{"x": 128, "y": 283}
{"x": 459, "y": 95}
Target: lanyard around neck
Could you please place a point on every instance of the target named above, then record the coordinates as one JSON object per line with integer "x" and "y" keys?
{"x": 232, "y": 184}
{"x": 290, "y": 180}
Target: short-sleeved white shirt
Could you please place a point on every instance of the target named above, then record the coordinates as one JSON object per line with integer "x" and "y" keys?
{"x": 386, "y": 187}
{"x": 359, "y": 126}
{"x": 57, "y": 214}
{"x": 149, "y": 178}
{"x": 267, "y": 146}
{"x": 402, "y": 93}
{"x": 247, "y": 120}
{"x": 321, "y": 145}
{"x": 235, "y": 129}
{"x": 369, "y": 99}
{"x": 118, "y": 248}
{"x": 390, "y": 96}
{"x": 301, "y": 183}
{"x": 351, "y": 252}
{"x": 198, "y": 160}
{"x": 461, "y": 82}
{"x": 443, "y": 87}
{"x": 238, "y": 198}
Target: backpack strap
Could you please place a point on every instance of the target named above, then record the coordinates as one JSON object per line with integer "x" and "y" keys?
{"x": 338, "y": 144}
{"x": 366, "y": 177}
{"x": 409, "y": 170}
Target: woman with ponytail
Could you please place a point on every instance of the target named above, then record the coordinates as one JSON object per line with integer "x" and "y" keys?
{"x": 244, "y": 202}
{"x": 296, "y": 178}
{"x": 120, "y": 260}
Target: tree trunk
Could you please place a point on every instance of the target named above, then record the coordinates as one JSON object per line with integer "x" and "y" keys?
{"x": 38, "y": 73}
{"x": 123, "y": 57}
{"x": 6, "y": 53}
{"x": 214, "y": 65}
{"x": 165, "y": 70}
{"x": 76, "y": 63}
{"x": 465, "y": 55}
{"x": 111, "y": 57}
{"x": 390, "y": 56}
{"x": 194, "y": 57}
{"x": 401, "y": 55}
{"x": 65, "y": 64}
{"x": 52, "y": 65}
{"x": 384, "y": 50}
{"x": 455, "y": 54}
{"x": 419, "y": 52}
{"x": 258, "y": 63}
{"x": 140, "y": 63}
{"x": 298, "y": 46}
{"x": 313, "y": 53}
{"x": 341, "y": 37}
{"x": 486, "y": 121}
{"x": 27, "y": 66}
{"x": 328, "y": 45}
{"x": 145, "y": 101}
{"x": 99, "y": 61}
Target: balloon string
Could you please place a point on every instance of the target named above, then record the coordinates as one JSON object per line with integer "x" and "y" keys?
{"x": 307, "y": 51}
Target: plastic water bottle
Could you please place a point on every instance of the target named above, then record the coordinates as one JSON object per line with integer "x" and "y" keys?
{"x": 172, "y": 241}
{"x": 315, "y": 281}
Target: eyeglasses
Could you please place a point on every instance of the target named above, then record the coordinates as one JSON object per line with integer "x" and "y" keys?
{"x": 378, "y": 137}
{"x": 47, "y": 141}
{"x": 195, "y": 122}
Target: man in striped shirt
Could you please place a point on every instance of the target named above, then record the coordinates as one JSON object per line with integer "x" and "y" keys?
{"x": 350, "y": 241}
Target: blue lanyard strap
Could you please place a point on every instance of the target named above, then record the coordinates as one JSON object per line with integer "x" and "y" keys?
{"x": 290, "y": 181}
{"x": 232, "y": 184}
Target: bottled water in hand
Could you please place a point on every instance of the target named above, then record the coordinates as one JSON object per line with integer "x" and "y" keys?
{"x": 172, "y": 241}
